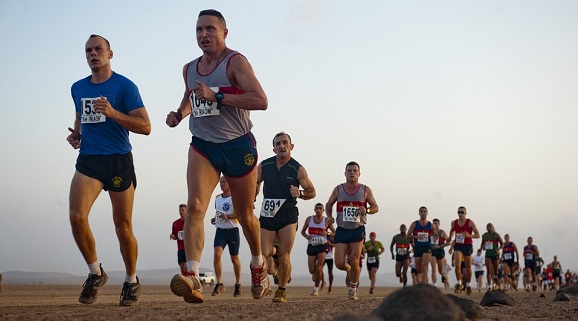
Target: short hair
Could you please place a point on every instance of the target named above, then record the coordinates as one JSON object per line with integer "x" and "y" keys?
{"x": 99, "y": 36}
{"x": 353, "y": 163}
{"x": 281, "y": 134}
{"x": 425, "y": 208}
{"x": 183, "y": 205}
{"x": 214, "y": 13}
{"x": 319, "y": 204}
{"x": 463, "y": 207}
{"x": 436, "y": 220}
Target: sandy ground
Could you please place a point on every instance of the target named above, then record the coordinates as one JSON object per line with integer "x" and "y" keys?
{"x": 45, "y": 302}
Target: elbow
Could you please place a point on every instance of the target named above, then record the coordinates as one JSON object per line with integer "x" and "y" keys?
{"x": 263, "y": 104}
{"x": 146, "y": 129}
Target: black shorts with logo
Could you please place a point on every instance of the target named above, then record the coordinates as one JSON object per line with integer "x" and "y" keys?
{"x": 116, "y": 171}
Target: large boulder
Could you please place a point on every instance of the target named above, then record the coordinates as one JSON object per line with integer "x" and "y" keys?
{"x": 420, "y": 302}
{"x": 494, "y": 297}
{"x": 569, "y": 289}
{"x": 470, "y": 308}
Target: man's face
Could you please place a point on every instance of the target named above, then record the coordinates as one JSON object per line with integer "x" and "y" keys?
{"x": 97, "y": 53}
{"x": 318, "y": 210}
{"x": 211, "y": 34}
{"x": 402, "y": 228}
{"x": 423, "y": 213}
{"x": 182, "y": 212}
{"x": 530, "y": 240}
{"x": 461, "y": 213}
{"x": 490, "y": 228}
{"x": 352, "y": 173}
{"x": 224, "y": 185}
{"x": 282, "y": 146}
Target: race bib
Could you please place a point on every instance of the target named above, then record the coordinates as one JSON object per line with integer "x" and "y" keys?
{"x": 489, "y": 245}
{"x": 401, "y": 251}
{"x": 318, "y": 240}
{"x": 203, "y": 108}
{"x": 218, "y": 217}
{"x": 88, "y": 115}
{"x": 180, "y": 235}
{"x": 422, "y": 236}
{"x": 351, "y": 214}
{"x": 434, "y": 240}
{"x": 507, "y": 256}
{"x": 271, "y": 206}
{"x": 529, "y": 256}
{"x": 460, "y": 238}
{"x": 371, "y": 260}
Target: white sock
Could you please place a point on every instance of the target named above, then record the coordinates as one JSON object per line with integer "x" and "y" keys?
{"x": 256, "y": 261}
{"x": 94, "y": 268}
{"x": 468, "y": 284}
{"x": 130, "y": 278}
{"x": 193, "y": 266}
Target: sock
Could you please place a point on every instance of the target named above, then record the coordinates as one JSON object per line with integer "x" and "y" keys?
{"x": 130, "y": 278}
{"x": 94, "y": 268}
{"x": 459, "y": 282}
{"x": 256, "y": 261}
{"x": 353, "y": 285}
{"x": 193, "y": 266}
{"x": 468, "y": 284}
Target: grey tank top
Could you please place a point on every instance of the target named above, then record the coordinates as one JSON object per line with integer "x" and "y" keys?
{"x": 206, "y": 121}
{"x": 348, "y": 214}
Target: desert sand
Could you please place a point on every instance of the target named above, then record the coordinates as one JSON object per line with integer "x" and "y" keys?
{"x": 46, "y": 302}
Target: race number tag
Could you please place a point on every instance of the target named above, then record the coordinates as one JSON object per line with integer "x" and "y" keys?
{"x": 271, "y": 206}
{"x": 529, "y": 256}
{"x": 401, "y": 251}
{"x": 351, "y": 214}
{"x": 460, "y": 238}
{"x": 203, "y": 108}
{"x": 507, "y": 256}
{"x": 318, "y": 240}
{"x": 434, "y": 240}
{"x": 489, "y": 245}
{"x": 422, "y": 236}
{"x": 89, "y": 116}
{"x": 181, "y": 235}
{"x": 218, "y": 217}
{"x": 371, "y": 260}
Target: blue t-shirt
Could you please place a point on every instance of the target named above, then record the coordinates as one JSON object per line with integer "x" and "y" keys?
{"x": 100, "y": 135}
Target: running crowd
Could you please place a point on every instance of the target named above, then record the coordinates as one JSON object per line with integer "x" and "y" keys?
{"x": 221, "y": 90}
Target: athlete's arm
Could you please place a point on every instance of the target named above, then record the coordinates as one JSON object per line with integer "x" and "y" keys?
{"x": 410, "y": 231}
{"x": 517, "y": 254}
{"x": 501, "y": 242}
{"x": 259, "y": 180}
{"x": 475, "y": 234}
{"x": 391, "y": 247}
{"x": 305, "y": 182}
{"x": 305, "y": 227}
{"x": 452, "y": 232}
{"x": 74, "y": 136}
{"x": 242, "y": 76}
{"x": 382, "y": 249}
{"x": 175, "y": 117}
{"x": 373, "y": 208}
{"x": 537, "y": 253}
{"x": 330, "y": 203}
{"x": 445, "y": 236}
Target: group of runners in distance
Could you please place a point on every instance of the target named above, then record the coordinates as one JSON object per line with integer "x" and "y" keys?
{"x": 220, "y": 91}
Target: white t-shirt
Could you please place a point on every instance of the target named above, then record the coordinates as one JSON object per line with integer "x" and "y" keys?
{"x": 478, "y": 262}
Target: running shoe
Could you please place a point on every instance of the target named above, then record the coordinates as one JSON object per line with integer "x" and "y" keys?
{"x": 259, "y": 280}
{"x": 237, "y": 290}
{"x": 276, "y": 278}
{"x": 130, "y": 293}
{"x": 280, "y": 296}
{"x": 353, "y": 293}
{"x": 329, "y": 289}
{"x": 315, "y": 292}
{"x": 91, "y": 286}
{"x": 188, "y": 286}
{"x": 468, "y": 290}
{"x": 371, "y": 290}
{"x": 458, "y": 288}
{"x": 219, "y": 287}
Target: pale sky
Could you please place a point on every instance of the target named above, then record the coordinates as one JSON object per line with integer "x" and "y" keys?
{"x": 442, "y": 103}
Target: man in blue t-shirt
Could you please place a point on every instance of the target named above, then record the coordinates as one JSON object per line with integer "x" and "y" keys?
{"x": 108, "y": 106}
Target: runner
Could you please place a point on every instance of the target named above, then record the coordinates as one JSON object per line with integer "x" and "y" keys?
{"x": 227, "y": 234}
{"x": 281, "y": 176}
{"x": 315, "y": 231}
{"x": 465, "y": 230}
{"x": 531, "y": 254}
{"x": 492, "y": 243}
{"x": 420, "y": 232}
{"x": 438, "y": 243}
{"x": 402, "y": 259}
{"x": 220, "y": 91}
{"x": 373, "y": 249}
{"x": 556, "y": 272}
{"x": 329, "y": 261}
{"x": 479, "y": 263}
{"x": 177, "y": 234}
{"x": 509, "y": 260}
{"x": 354, "y": 201}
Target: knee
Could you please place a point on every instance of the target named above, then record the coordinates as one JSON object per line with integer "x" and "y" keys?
{"x": 78, "y": 221}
